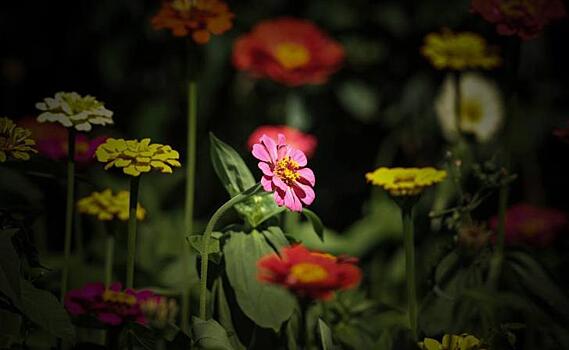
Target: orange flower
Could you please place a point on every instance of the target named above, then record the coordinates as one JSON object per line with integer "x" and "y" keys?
{"x": 200, "y": 18}
{"x": 288, "y": 50}
{"x": 309, "y": 274}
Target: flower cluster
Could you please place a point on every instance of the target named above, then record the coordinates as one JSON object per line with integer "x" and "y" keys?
{"x": 107, "y": 206}
{"x": 289, "y": 51}
{"x": 284, "y": 172}
{"x": 481, "y": 107}
{"x": 309, "y": 274}
{"x": 405, "y": 181}
{"x": 534, "y": 226}
{"x": 198, "y": 18}
{"x": 525, "y": 18}
{"x": 136, "y": 157}
{"x": 15, "y": 142}
{"x": 295, "y": 138}
{"x": 73, "y": 110}
{"x": 459, "y": 51}
{"x": 111, "y": 305}
{"x": 453, "y": 342}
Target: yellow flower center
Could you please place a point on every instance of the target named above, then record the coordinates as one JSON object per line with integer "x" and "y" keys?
{"x": 286, "y": 170}
{"x": 308, "y": 273}
{"x": 182, "y": 5}
{"x": 518, "y": 8}
{"x": 292, "y": 55}
{"x": 471, "y": 111}
{"x": 118, "y": 297}
{"x": 532, "y": 227}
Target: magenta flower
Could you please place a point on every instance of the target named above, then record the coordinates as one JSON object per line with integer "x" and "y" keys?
{"x": 111, "y": 306}
{"x": 284, "y": 172}
{"x": 85, "y": 148}
{"x": 295, "y": 138}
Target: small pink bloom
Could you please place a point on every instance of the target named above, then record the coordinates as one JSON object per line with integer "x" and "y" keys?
{"x": 284, "y": 172}
{"x": 534, "y": 226}
{"x": 295, "y": 138}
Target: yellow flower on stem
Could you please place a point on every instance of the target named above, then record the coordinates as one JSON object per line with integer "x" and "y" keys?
{"x": 459, "y": 51}
{"x": 405, "y": 181}
{"x": 107, "y": 206}
{"x": 136, "y": 157}
{"x": 453, "y": 342}
{"x": 15, "y": 142}
{"x": 73, "y": 110}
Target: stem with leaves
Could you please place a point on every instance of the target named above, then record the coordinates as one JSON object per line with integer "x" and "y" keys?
{"x": 69, "y": 209}
{"x": 132, "y": 221}
{"x": 409, "y": 245}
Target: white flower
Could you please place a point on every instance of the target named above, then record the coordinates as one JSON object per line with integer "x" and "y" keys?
{"x": 481, "y": 107}
{"x": 73, "y": 110}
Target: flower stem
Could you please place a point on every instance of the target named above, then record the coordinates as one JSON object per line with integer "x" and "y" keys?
{"x": 407, "y": 218}
{"x": 132, "y": 220}
{"x": 205, "y": 242}
{"x": 69, "y": 209}
{"x": 498, "y": 258}
{"x": 109, "y": 258}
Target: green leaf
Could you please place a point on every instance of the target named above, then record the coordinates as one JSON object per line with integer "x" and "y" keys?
{"x": 224, "y": 314}
{"x": 213, "y": 250}
{"x": 276, "y": 237}
{"x": 10, "y": 324}
{"x": 44, "y": 309}
{"x": 135, "y": 333}
{"x": 316, "y": 223}
{"x": 267, "y": 305}
{"x": 9, "y": 268}
{"x": 360, "y": 100}
{"x": 210, "y": 335}
{"x": 325, "y": 335}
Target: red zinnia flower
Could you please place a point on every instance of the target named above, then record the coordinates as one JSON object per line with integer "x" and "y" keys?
{"x": 295, "y": 138}
{"x": 309, "y": 274}
{"x": 290, "y": 51}
{"x": 526, "y": 224}
{"x": 525, "y": 18}
{"x": 198, "y": 18}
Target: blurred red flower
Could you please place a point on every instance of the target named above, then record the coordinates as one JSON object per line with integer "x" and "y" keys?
{"x": 294, "y": 137}
{"x": 534, "y": 226}
{"x": 288, "y": 50}
{"x": 562, "y": 133}
{"x": 198, "y": 18}
{"x": 309, "y": 274}
{"x": 525, "y": 18}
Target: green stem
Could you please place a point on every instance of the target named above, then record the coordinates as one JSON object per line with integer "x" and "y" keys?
{"x": 498, "y": 258}
{"x": 407, "y": 218}
{"x": 132, "y": 220}
{"x": 109, "y": 258}
{"x": 205, "y": 242}
{"x": 69, "y": 209}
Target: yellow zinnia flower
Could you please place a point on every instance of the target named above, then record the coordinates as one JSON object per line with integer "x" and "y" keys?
{"x": 136, "y": 157}
{"x": 405, "y": 181}
{"x": 107, "y": 206}
{"x": 15, "y": 142}
{"x": 453, "y": 342}
{"x": 73, "y": 110}
{"x": 459, "y": 51}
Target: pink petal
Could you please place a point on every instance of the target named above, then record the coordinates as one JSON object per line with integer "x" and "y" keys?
{"x": 109, "y": 318}
{"x": 280, "y": 184}
{"x": 271, "y": 147}
{"x": 265, "y": 168}
{"x": 267, "y": 183}
{"x": 298, "y": 156}
{"x": 279, "y": 198}
{"x": 292, "y": 201}
{"x": 308, "y": 175}
{"x": 305, "y": 192}
{"x": 282, "y": 151}
{"x": 260, "y": 152}
{"x": 281, "y": 139}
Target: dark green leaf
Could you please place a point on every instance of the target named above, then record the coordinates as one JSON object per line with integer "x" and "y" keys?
{"x": 315, "y": 221}
{"x": 224, "y": 314}
{"x": 325, "y": 335}
{"x": 268, "y": 306}
{"x": 9, "y": 268}
{"x": 210, "y": 335}
{"x": 197, "y": 245}
{"x": 275, "y": 237}
{"x": 10, "y": 324}
{"x": 137, "y": 334}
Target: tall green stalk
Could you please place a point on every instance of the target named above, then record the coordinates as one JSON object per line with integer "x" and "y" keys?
{"x": 132, "y": 221}
{"x": 498, "y": 257}
{"x": 205, "y": 242}
{"x": 69, "y": 209}
{"x": 109, "y": 258}
{"x": 409, "y": 244}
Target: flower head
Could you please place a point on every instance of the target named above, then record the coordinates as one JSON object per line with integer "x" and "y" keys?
{"x": 481, "y": 107}
{"x": 198, "y": 18}
{"x": 160, "y": 311}
{"x": 15, "y": 142}
{"x": 73, "y": 110}
{"x": 284, "y": 172}
{"x": 111, "y": 306}
{"x": 405, "y": 181}
{"x": 524, "y": 18}
{"x": 288, "y": 50}
{"x": 136, "y": 157}
{"x": 309, "y": 274}
{"x": 107, "y": 206}
{"x": 295, "y": 138}
{"x": 459, "y": 51}
{"x": 534, "y": 226}
{"x": 453, "y": 342}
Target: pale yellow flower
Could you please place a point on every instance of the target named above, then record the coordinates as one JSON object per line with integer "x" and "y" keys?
{"x": 405, "y": 181}
{"x": 73, "y": 110}
{"x": 136, "y": 157}
{"x": 107, "y": 206}
{"x": 15, "y": 142}
{"x": 453, "y": 342}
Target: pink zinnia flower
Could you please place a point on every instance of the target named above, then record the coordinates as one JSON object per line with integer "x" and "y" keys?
{"x": 295, "y": 138}
{"x": 284, "y": 172}
{"x": 525, "y": 18}
{"x": 534, "y": 226}
{"x": 110, "y": 305}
